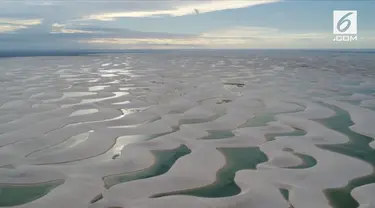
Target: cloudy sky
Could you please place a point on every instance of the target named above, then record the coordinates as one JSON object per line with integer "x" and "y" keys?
{"x": 145, "y": 24}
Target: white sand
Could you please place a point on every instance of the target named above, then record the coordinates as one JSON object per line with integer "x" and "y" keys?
{"x": 80, "y": 119}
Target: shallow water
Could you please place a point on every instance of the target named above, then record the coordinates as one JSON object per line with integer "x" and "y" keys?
{"x": 163, "y": 162}
{"x": 219, "y": 134}
{"x": 358, "y": 147}
{"x": 259, "y": 120}
{"x": 296, "y": 132}
{"x": 12, "y": 195}
{"x": 237, "y": 159}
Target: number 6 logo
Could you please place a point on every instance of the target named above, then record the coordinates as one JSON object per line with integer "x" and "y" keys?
{"x": 344, "y": 22}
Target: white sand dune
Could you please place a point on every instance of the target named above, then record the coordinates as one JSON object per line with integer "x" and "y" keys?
{"x": 85, "y": 120}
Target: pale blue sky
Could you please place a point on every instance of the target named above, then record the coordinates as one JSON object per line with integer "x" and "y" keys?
{"x": 116, "y": 24}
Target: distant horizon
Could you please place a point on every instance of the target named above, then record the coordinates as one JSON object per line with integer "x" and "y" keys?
{"x": 82, "y": 52}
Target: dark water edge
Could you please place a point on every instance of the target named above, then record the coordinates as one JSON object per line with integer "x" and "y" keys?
{"x": 259, "y": 120}
{"x": 308, "y": 161}
{"x": 266, "y": 117}
{"x": 237, "y": 159}
{"x": 358, "y": 147}
{"x": 219, "y": 134}
{"x": 296, "y": 132}
{"x": 164, "y": 161}
{"x": 284, "y": 193}
{"x": 13, "y": 195}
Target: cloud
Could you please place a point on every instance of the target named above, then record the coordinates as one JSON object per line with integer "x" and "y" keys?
{"x": 41, "y": 3}
{"x": 180, "y": 10}
{"x": 24, "y": 22}
{"x": 262, "y": 33}
{"x": 197, "y": 42}
{"x": 148, "y": 41}
{"x": 234, "y": 37}
{"x": 10, "y": 28}
{"x": 63, "y": 28}
{"x": 11, "y": 25}
{"x": 70, "y": 31}
{"x": 97, "y": 31}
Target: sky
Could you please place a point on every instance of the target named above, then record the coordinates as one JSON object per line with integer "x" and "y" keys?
{"x": 178, "y": 24}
